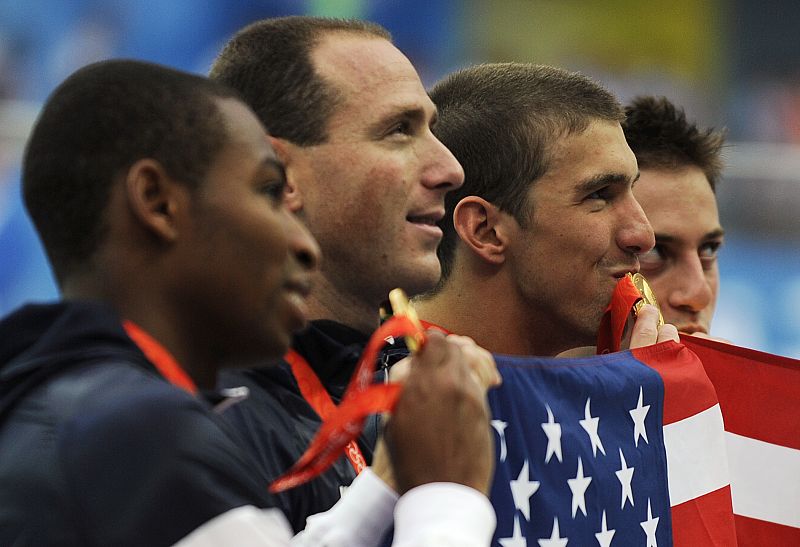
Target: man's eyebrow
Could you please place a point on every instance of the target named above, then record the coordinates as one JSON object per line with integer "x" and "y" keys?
{"x": 605, "y": 179}
{"x": 669, "y": 238}
{"x": 415, "y": 114}
{"x": 714, "y": 234}
{"x": 665, "y": 238}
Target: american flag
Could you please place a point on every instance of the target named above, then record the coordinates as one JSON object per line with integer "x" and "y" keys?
{"x": 759, "y": 395}
{"x": 620, "y": 449}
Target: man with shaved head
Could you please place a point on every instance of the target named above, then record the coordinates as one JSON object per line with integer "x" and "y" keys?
{"x": 352, "y": 122}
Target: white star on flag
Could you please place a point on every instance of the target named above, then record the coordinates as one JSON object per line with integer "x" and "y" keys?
{"x": 604, "y": 536}
{"x": 649, "y": 526}
{"x": 578, "y": 485}
{"x": 522, "y": 489}
{"x": 500, "y": 427}
{"x": 555, "y": 539}
{"x": 625, "y": 475}
{"x": 516, "y": 539}
{"x": 553, "y": 431}
{"x": 639, "y": 414}
{"x": 590, "y": 424}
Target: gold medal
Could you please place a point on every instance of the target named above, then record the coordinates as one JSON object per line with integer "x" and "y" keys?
{"x": 401, "y": 306}
{"x": 648, "y": 296}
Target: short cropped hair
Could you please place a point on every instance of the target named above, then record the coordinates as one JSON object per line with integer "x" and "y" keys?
{"x": 94, "y": 126}
{"x": 500, "y": 121}
{"x": 269, "y": 63}
{"x": 661, "y": 138}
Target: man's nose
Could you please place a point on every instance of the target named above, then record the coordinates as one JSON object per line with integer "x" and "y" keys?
{"x": 692, "y": 290}
{"x": 636, "y": 234}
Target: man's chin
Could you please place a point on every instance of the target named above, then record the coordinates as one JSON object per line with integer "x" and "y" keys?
{"x": 420, "y": 281}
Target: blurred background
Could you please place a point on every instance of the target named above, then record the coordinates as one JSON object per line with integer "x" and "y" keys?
{"x": 733, "y": 64}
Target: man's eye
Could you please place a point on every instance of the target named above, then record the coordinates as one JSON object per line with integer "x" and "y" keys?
{"x": 708, "y": 253}
{"x": 603, "y": 193}
{"x": 710, "y": 249}
{"x": 652, "y": 259}
{"x": 400, "y": 128}
{"x": 275, "y": 190}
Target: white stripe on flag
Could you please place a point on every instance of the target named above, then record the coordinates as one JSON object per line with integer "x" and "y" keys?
{"x": 696, "y": 460}
{"x": 765, "y": 480}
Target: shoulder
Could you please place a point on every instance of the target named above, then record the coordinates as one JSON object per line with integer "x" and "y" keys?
{"x": 144, "y": 446}
{"x": 161, "y": 424}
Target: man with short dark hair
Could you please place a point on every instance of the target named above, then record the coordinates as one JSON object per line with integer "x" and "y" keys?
{"x": 680, "y": 166}
{"x": 352, "y": 122}
{"x": 546, "y": 223}
{"x": 160, "y": 204}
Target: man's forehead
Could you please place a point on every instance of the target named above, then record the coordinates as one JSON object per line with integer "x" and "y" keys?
{"x": 357, "y": 63}
{"x": 598, "y": 151}
{"x": 244, "y": 131}
{"x": 681, "y": 196}
{"x": 685, "y": 183}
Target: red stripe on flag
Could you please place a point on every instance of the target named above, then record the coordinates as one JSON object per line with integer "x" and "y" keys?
{"x": 707, "y": 520}
{"x": 760, "y": 532}
{"x": 759, "y": 393}
{"x": 687, "y": 389}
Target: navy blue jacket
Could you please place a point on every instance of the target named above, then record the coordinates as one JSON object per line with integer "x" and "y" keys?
{"x": 96, "y": 448}
{"x": 279, "y": 424}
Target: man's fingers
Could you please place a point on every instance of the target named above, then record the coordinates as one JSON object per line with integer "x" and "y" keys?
{"x": 438, "y": 349}
{"x": 645, "y": 328}
{"x": 425, "y": 441}
{"x": 399, "y": 371}
{"x": 668, "y": 332}
{"x": 480, "y": 361}
{"x": 646, "y": 331}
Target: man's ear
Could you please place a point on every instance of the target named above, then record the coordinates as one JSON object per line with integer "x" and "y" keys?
{"x": 155, "y": 198}
{"x": 288, "y": 154}
{"x": 481, "y": 227}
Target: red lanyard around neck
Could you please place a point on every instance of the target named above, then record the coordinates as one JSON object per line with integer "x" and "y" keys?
{"x": 345, "y": 422}
{"x": 320, "y": 400}
{"x": 158, "y": 355}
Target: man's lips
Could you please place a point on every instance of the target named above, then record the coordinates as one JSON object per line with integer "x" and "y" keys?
{"x": 297, "y": 290}
{"x": 427, "y": 221}
{"x": 301, "y": 285}
{"x": 621, "y": 272}
{"x": 428, "y": 218}
{"x": 692, "y": 329}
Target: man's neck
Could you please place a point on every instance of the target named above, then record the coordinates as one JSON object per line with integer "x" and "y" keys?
{"x": 511, "y": 329}
{"x": 136, "y": 302}
{"x": 355, "y": 311}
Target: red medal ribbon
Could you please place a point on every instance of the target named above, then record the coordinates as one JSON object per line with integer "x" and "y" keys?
{"x": 427, "y": 325}
{"x": 158, "y": 355}
{"x": 345, "y": 423}
{"x": 320, "y": 400}
{"x": 612, "y": 325}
